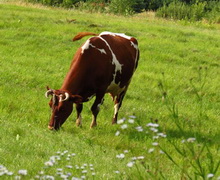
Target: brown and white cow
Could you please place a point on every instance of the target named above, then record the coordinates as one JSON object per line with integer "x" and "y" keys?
{"x": 105, "y": 63}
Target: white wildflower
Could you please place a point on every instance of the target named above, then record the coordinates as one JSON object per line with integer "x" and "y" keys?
{"x": 126, "y": 151}
{"x": 152, "y": 125}
{"x": 140, "y": 157}
{"x": 161, "y": 152}
{"x": 120, "y": 156}
{"x": 134, "y": 158}
{"x": 91, "y": 165}
{"x": 154, "y": 129}
{"x": 191, "y": 140}
{"x": 155, "y": 143}
{"x": 92, "y": 169}
{"x": 84, "y": 171}
{"x": 162, "y": 135}
{"x": 121, "y": 121}
{"x": 116, "y": 172}
{"x": 139, "y": 128}
{"x": 117, "y": 133}
{"x": 69, "y": 174}
{"x": 131, "y": 121}
{"x": 66, "y": 151}
{"x": 22, "y": 172}
{"x": 63, "y": 176}
{"x": 69, "y": 166}
{"x": 83, "y": 177}
{"x": 124, "y": 126}
{"x": 133, "y": 117}
{"x": 210, "y": 175}
{"x": 130, "y": 164}
{"x": 59, "y": 169}
{"x": 41, "y": 172}
{"x": 151, "y": 150}
{"x": 73, "y": 154}
{"x": 75, "y": 178}
{"x": 17, "y": 177}
{"x": 155, "y": 137}
{"x": 48, "y": 163}
{"x": 9, "y": 173}
{"x": 49, "y": 177}
{"x": 93, "y": 174}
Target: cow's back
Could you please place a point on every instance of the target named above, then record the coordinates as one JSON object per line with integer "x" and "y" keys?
{"x": 105, "y": 62}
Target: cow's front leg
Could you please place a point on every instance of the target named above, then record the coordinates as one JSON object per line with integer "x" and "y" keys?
{"x": 95, "y": 109}
{"x": 79, "y": 108}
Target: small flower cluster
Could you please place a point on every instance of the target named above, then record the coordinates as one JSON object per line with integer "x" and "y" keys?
{"x": 5, "y": 171}
{"x": 189, "y": 140}
{"x": 66, "y": 172}
{"x": 156, "y": 135}
{"x": 124, "y": 125}
{"x": 132, "y": 160}
{"x": 152, "y": 128}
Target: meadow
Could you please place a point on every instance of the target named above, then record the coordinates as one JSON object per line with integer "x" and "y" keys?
{"x": 170, "y": 118}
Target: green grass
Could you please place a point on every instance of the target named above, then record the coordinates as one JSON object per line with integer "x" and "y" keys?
{"x": 179, "y": 61}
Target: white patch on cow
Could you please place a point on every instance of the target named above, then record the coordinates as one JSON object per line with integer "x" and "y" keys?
{"x": 85, "y": 46}
{"x": 116, "y": 107}
{"x": 118, "y": 66}
{"x": 115, "y": 34}
{"x": 135, "y": 45}
{"x": 101, "y": 50}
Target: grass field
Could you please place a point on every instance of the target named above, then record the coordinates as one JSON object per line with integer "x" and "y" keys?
{"x": 171, "y": 110}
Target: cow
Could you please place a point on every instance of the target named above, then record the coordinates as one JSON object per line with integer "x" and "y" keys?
{"x": 105, "y": 63}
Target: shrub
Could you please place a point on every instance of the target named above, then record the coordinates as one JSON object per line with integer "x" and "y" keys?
{"x": 179, "y": 10}
{"x": 213, "y": 12}
{"x": 155, "y": 4}
{"x": 123, "y": 7}
{"x": 138, "y": 6}
{"x": 92, "y": 5}
{"x": 209, "y": 10}
{"x": 63, "y": 3}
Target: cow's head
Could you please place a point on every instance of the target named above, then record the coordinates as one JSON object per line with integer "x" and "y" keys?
{"x": 61, "y": 105}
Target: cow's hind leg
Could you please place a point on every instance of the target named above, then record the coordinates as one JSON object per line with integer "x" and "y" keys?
{"x": 118, "y": 103}
{"x": 95, "y": 109}
{"x": 79, "y": 108}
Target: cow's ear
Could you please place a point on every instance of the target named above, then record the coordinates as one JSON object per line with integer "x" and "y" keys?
{"x": 76, "y": 99}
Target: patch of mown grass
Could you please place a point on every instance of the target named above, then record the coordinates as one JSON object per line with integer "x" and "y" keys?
{"x": 36, "y": 51}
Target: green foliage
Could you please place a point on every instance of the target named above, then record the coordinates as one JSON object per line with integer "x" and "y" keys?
{"x": 182, "y": 11}
{"x": 92, "y": 6}
{"x": 123, "y": 7}
{"x": 63, "y": 3}
{"x": 138, "y": 6}
{"x": 155, "y": 4}
{"x": 193, "y": 10}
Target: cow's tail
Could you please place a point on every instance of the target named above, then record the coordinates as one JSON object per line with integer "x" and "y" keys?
{"x": 82, "y": 34}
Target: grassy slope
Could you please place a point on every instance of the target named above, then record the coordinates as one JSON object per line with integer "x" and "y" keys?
{"x": 36, "y": 50}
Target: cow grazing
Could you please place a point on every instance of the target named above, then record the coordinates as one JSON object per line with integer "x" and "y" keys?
{"x": 105, "y": 63}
